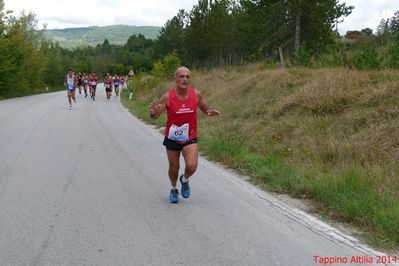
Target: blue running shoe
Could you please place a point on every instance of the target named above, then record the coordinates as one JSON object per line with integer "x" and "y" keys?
{"x": 185, "y": 188}
{"x": 174, "y": 196}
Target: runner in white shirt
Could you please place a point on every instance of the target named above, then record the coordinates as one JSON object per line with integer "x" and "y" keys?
{"x": 70, "y": 84}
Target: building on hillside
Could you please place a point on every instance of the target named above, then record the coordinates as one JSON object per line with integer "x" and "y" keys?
{"x": 355, "y": 36}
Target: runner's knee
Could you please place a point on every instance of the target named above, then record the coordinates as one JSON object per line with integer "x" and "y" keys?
{"x": 174, "y": 166}
{"x": 191, "y": 167}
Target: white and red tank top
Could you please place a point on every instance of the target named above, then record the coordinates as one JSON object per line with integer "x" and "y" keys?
{"x": 70, "y": 80}
{"x": 181, "y": 124}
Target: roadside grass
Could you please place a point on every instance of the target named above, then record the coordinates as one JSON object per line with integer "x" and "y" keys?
{"x": 330, "y": 135}
{"x": 140, "y": 108}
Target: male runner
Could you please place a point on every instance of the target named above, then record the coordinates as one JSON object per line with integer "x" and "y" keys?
{"x": 181, "y": 104}
{"x": 108, "y": 86}
{"x": 85, "y": 79}
{"x": 70, "y": 83}
{"x": 116, "y": 85}
{"x": 93, "y": 85}
{"x": 79, "y": 79}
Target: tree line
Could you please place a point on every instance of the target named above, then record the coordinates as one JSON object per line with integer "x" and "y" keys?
{"x": 212, "y": 34}
{"x": 31, "y": 64}
{"x": 284, "y": 32}
{"x": 223, "y": 32}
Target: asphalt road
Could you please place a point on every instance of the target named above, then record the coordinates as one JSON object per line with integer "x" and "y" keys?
{"x": 89, "y": 186}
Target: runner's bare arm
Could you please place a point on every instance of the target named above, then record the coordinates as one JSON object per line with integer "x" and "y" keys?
{"x": 156, "y": 109}
{"x": 204, "y": 107}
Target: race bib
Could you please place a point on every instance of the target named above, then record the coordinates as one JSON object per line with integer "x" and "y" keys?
{"x": 70, "y": 87}
{"x": 116, "y": 83}
{"x": 107, "y": 86}
{"x": 93, "y": 83}
{"x": 178, "y": 133}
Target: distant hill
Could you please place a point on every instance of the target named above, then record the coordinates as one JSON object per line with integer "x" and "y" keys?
{"x": 116, "y": 34}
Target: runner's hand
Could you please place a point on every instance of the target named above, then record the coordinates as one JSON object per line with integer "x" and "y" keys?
{"x": 212, "y": 113}
{"x": 154, "y": 108}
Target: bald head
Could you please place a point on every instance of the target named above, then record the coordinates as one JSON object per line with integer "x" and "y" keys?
{"x": 181, "y": 69}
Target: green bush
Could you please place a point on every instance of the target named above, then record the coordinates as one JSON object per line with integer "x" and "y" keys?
{"x": 158, "y": 70}
{"x": 367, "y": 58}
{"x": 116, "y": 69}
{"x": 304, "y": 56}
{"x": 165, "y": 68}
{"x": 393, "y": 56}
{"x": 171, "y": 62}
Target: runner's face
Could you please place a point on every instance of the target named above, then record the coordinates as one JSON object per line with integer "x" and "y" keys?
{"x": 182, "y": 79}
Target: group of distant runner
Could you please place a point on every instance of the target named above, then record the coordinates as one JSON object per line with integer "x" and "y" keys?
{"x": 89, "y": 82}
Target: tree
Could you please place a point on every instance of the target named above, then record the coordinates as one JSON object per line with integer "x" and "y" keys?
{"x": 138, "y": 43}
{"x": 57, "y": 63}
{"x": 171, "y": 38}
{"x": 367, "y": 31}
{"x": 197, "y": 38}
{"x": 394, "y": 26}
{"x": 117, "y": 69}
{"x": 165, "y": 68}
{"x": 20, "y": 61}
{"x": 383, "y": 31}
{"x": 2, "y": 15}
{"x": 317, "y": 19}
{"x": 106, "y": 47}
{"x": 289, "y": 23}
{"x": 221, "y": 31}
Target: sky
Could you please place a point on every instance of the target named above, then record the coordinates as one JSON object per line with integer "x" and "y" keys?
{"x": 59, "y": 14}
{"x": 367, "y": 14}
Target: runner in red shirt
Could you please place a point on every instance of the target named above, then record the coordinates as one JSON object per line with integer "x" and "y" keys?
{"x": 181, "y": 104}
{"x": 108, "y": 86}
{"x": 93, "y": 81}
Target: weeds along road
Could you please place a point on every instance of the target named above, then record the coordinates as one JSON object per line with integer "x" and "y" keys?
{"x": 89, "y": 187}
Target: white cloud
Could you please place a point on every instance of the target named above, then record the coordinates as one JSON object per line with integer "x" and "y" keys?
{"x": 78, "y": 13}
{"x": 81, "y": 13}
{"x": 367, "y": 14}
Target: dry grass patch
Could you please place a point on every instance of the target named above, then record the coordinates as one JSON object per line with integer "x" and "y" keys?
{"x": 341, "y": 120}
{"x": 327, "y": 134}
{"x": 328, "y": 122}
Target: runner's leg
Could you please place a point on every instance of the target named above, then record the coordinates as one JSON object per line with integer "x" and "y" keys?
{"x": 73, "y": 95}
{"x": 173, "y": 159}
{"x": 190, "y": 154}
{"x": 69, "y": 98}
